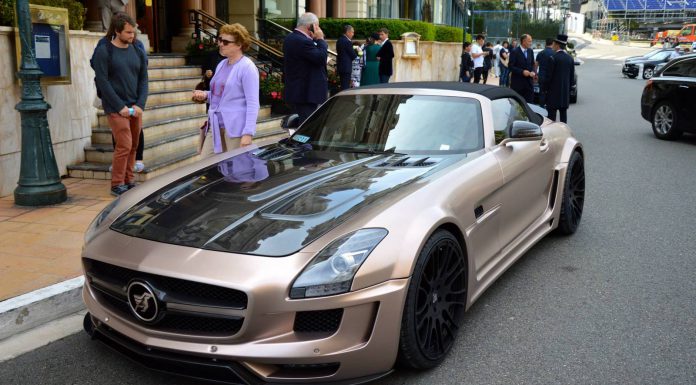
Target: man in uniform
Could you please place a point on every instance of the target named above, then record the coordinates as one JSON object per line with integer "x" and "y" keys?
{"x": 560, "y": 77}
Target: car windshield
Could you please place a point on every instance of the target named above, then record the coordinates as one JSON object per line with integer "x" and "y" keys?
{"x": 408, "y": 124}
{"x": 652, "y": 53}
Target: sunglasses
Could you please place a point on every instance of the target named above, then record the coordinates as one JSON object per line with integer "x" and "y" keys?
{"x": 224, "y": 42}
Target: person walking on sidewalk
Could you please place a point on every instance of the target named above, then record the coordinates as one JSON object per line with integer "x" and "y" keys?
{"x": 559, "y": 79}
{"x": 121, "y": 77}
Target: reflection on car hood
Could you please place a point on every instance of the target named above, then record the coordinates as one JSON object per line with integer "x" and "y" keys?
{"x": 272, "y": 202}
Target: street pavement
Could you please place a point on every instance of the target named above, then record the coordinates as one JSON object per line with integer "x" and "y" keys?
{"x": 612, "y": 304}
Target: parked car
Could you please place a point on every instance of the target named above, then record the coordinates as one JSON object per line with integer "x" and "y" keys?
{"x": 645, "y": 65}
{"x": 573, "y": 87}
{"x": 669, "y": 98}
{"x": 360, "y": 240}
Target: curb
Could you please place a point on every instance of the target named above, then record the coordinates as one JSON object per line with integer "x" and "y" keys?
{"x": 28, "y": 311}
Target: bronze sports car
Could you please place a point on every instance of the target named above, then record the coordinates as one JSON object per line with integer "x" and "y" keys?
{"x": 355, "y": 244}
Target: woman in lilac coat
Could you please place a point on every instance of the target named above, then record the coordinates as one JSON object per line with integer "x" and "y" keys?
{"x": 233, "y": 95}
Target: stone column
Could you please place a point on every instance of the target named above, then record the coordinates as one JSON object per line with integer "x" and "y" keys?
{"x": 130, "y": 9}
{"x": 180, "y": 41}
{"x": 317, "y": 7}
{"x": 93, "y": 17}
{"x": 209, "y": 7}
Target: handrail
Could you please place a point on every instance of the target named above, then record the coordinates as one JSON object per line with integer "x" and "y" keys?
{"x": 216, "y": 23}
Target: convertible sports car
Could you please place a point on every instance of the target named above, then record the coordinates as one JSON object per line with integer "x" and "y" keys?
{"x": 332, "y": 255}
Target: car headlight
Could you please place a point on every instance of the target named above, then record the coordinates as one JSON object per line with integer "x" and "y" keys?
{"x": 332, "y": 270}
{"x": 94, "y": 227}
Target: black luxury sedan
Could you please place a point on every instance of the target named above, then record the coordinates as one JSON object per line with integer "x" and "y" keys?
{"x": 669, "y": 98}
{"x": 645, "y": 65}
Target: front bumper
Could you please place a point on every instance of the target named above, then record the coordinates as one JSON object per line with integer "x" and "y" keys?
{"x": 631, "y": 70}
{"x": 363, "y": 347}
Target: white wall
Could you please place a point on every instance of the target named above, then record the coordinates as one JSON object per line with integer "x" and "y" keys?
{"x": 70, "y": 119}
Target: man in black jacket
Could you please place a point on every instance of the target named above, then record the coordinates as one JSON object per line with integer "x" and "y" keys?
{"x": 385, "y": 56}
{"x": 542, "y": 59}
{"x": 561, "y": 75}
{"x": 345, "y": 56}
{"x": 521, "y": 66}
{"x": 304, "y": 66}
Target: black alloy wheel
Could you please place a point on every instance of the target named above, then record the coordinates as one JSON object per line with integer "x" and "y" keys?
{"x": 648, "y": 72}
{"x": 573, "y": 195}
{"x": 435, "y": 303}
{"x": 665, "y": 122}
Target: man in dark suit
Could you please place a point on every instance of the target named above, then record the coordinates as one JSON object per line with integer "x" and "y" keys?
{"x": 345, "y": 56}
{"x": 561, "y": 75}
{"x": 542, "y": 59}
{"x": 385, "y": 56}
{"x": 521, "y": 66}
{"x": 305, "y": 53}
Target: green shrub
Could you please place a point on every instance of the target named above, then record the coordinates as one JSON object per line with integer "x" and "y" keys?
{"x": 76, "y": 11}
{"x": 446, "y": 33}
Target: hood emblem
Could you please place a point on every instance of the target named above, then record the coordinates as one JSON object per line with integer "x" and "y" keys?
{"x": 142, "y": 301}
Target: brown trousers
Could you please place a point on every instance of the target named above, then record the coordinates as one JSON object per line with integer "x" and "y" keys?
{"x": 228, "y": 143}
{"x": 126, "y": 132}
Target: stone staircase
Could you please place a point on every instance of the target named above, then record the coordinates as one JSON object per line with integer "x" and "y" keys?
{"x": 170, "y": 124}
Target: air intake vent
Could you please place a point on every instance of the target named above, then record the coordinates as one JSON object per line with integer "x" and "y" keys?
{"x": 322, "y": 321}
{"x": 408, "y": 161}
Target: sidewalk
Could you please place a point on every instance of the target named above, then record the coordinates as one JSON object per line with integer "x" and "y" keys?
{"x": 40, "y": 271}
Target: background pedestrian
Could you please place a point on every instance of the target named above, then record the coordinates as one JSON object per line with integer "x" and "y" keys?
{"x": 345, "y": 54}
{"x": 304, "y": 66}
{"x": 121, "y": 78}
{"x": 541, "y": 64}
{"x": 233, "y": 95}
{"x": 385, "y": 56}
{"x": 561, "y": 72}
{"x": 477, "y": 55}
{"x": 370, "y": 73}
{"x": 108, "y": 8}
{"x": 521, "y": 66}
{"x": 487, "y": 61}
{"x": 504, "y": 56}
{"x": 466, "y": 67}
{"x": 357, "y": 65}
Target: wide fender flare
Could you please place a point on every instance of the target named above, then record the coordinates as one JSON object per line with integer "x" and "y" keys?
{"x": 396, "y": 255}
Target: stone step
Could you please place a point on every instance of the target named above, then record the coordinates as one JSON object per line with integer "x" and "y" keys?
{"x": 156, "y": 130}
{"x": 184, "y": 82}
{"x": 156, "y": 61}
{"x": 154, "y": 150}
{"x": 171, "y": 72}
{"x": 173, "y": 161}
{"x": 160, "y": 98}
{"x": 158, "y": 113}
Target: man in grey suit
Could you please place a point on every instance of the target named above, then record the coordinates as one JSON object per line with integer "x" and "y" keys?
{"x": 108, "y": 8}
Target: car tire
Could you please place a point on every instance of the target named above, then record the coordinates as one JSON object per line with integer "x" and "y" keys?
{"x": 435, "y": 303}
{"x": 648, "y": 72}
{"x": 573, "y": 198}
{"x": 665, "y": 121}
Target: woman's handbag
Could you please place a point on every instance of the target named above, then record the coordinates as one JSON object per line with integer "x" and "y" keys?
{"x": 201, "y": 136}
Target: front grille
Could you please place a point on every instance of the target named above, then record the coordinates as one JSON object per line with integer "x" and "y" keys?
{"x": 194, "y": 292}
{"x": 322, "y": 321}
{"x": 172, "y": 288}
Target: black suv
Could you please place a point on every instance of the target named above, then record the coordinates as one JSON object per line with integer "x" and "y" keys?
{"x": 669, "y": 98}
{"x": 645, "y": 65}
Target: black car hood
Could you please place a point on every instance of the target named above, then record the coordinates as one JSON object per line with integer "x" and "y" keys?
{"x": 272, "y": 201}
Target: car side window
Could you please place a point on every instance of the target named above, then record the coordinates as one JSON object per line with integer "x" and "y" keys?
{"x": 683, "y": 68}
{"x": 506, "y": 111}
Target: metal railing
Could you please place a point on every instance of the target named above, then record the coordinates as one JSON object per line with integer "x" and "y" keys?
{"x": 268, "y": 59}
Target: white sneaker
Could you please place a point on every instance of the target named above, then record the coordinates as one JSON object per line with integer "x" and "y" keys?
{"x": 110, "y": 166}
{"x": 139, "y": 166}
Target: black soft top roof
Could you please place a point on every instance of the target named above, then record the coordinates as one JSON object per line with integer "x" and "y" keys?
{"x": 491, "y": 92}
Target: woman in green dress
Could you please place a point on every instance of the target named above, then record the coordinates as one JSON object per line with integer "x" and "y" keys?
{"x": 370, "y": 74}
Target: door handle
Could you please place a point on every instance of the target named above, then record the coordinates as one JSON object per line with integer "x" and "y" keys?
{"x": 683, "y": 86}
{"x": 543, "y": 145}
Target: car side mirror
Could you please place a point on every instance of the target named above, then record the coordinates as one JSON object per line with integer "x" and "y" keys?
{"x": 523, "y": 130}
{"x": 290, "y": 122}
